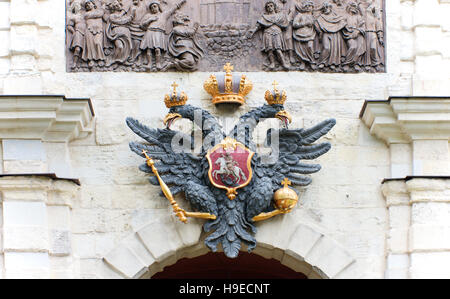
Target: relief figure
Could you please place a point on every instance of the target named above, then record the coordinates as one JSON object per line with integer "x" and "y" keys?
{"x": 76, "y": 25}
{"x": 374, "y": 39}
{"x": 183, "y": 45}
{"x": 273, "y": 22}
{"x": 305, "y": 34}
{"x": 354, "y": 34}
{"x": 118, "y": 32}
{"x": 288, "y": 8}
{"x": 93, "y": 53}
{"x": 154, "y": 41}
{"x": 137, "y": 13}
{"x": 329, "y": 24}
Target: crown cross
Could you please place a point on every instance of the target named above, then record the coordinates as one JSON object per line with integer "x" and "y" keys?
{"x": 228, "y": 68}
{"x": 275, "y": 85}
{"x": 175, "y": 85}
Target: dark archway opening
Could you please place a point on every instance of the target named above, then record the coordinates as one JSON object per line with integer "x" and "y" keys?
{"x": 218, "y": 266}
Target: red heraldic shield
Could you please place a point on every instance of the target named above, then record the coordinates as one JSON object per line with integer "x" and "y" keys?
{"x": 230, "y": 166}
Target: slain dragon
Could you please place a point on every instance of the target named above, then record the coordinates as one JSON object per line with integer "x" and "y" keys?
{"x": 249, "y": 195}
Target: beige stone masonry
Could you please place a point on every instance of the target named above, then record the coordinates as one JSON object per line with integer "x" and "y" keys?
{"x": 47, "y": 118}
{"x": 36, "y": 213}
{"x": 160, "y": 244}
{"x": 419, "y": 226}
{"x": 423, "y": 123}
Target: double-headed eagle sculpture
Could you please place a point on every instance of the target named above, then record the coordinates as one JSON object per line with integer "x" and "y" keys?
{"x": 228, "y": 183}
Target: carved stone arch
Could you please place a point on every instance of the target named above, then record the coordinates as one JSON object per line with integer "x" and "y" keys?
{"x": 162, "y": 243}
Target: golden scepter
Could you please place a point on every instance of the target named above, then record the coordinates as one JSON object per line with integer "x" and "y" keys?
{"x": 182, "y": 214}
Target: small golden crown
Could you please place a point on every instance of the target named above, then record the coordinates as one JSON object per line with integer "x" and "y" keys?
{"x": 226, "y": 88}
{"x": 276, "y": 97}
{"x": 175, "y": 99}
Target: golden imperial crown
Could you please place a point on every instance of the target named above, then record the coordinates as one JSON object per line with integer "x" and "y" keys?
{"x": 226, "y": 88}
{"x": 176, "y": 98}
{"x": 276, "y": 97}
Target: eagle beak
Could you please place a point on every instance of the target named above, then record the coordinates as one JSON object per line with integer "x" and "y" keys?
{"x": 170, "y": 119}
{"x": 285, "y": 117}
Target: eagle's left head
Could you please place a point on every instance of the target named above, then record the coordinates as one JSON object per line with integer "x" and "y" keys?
{"x": 276, "y": 100}
{"x": 176, "y": 102}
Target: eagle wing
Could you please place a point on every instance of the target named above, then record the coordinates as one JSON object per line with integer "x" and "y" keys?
{"x": 182, "y": 172}
{"x": 286, "y": 162}
{"x": 293, "y": 147}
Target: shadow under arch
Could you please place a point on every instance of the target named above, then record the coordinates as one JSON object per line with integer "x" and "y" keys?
{"x": 159, "y": 244}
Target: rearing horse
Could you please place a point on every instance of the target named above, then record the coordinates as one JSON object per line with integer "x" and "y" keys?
{"x": 236, "y": 172}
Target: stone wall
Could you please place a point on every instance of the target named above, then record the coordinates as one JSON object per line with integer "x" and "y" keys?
{"x": 115, "y": 202}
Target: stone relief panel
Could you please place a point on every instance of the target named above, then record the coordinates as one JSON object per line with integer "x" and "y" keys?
{"x": 203, "y": 35}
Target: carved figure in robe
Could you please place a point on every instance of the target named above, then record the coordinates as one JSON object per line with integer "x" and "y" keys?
{"x": 354, "y": 34}
{"x": 329, "y": 24}
{"x": 272, "y": 23}
{"x": 154, "y": 41}
{"x": 305, "y": 34}
{"x": 137, "y": 11}
{"x": 76, "y": 25}
{"x": 374, "y": 39}
{"x": 183, "y": 45}
{"x": 288, "y": 8}
{"x": 118, "y": 32}
{"x": 93, "y": 53}
{"x": 338, "y": 7}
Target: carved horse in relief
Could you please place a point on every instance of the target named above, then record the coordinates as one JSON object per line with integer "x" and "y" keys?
{"x": 231, "y": 169}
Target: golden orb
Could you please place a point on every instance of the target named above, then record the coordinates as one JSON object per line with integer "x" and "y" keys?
{"x": 285, "y": 198}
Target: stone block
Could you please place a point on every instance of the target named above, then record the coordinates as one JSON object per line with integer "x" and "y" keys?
{"x": 401, "y": 160}
{"x": 428, "y": 41}
{"x": 60, "y": 242}
{"x": 25, "y": 85}
{"x": 20, "y": 194}
{"x": 137, "y": 246}
{"x": 24, "y": 214}
{"x": 426, "y": 13}
{"x": 86, "y": 220}
{"x": 63, "y": 193}
{"x": 24, "y": 167}
{"x": 126, "y": 262}
{"x": 445, "y": 11}
{"x": 14, "y": 149}
{"x": 16, "y": 261}
{"x": 109, "y": 129}
{"x": 431, "y": 213}
{"x": 23, "y": 12}
{"x": 4, "y": 44}
{"x": 425, "y": 237}
{"x": 430, "y": 65}
{"x": 84, "y": 245}
{"x": 329, "y": 258}
{"x": 407, "y": 13}
{"x": 24, "y": 40}
{"x": 57, "y": 155}
{"x": 431, "y": 157}
{"x": 104, "y": 242}
{"x": 161, "y": 239}
{"x": 5, "y": 64}
{"x": 399, "y": 216}
{"x": 407, "y": 51}
{"x": 4, "y": 15}
{"x": 433, "y": 265}
{"x": 302, "y": 241}
{"x": 398, "y": 261}
{"x": 25, "y": 238}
